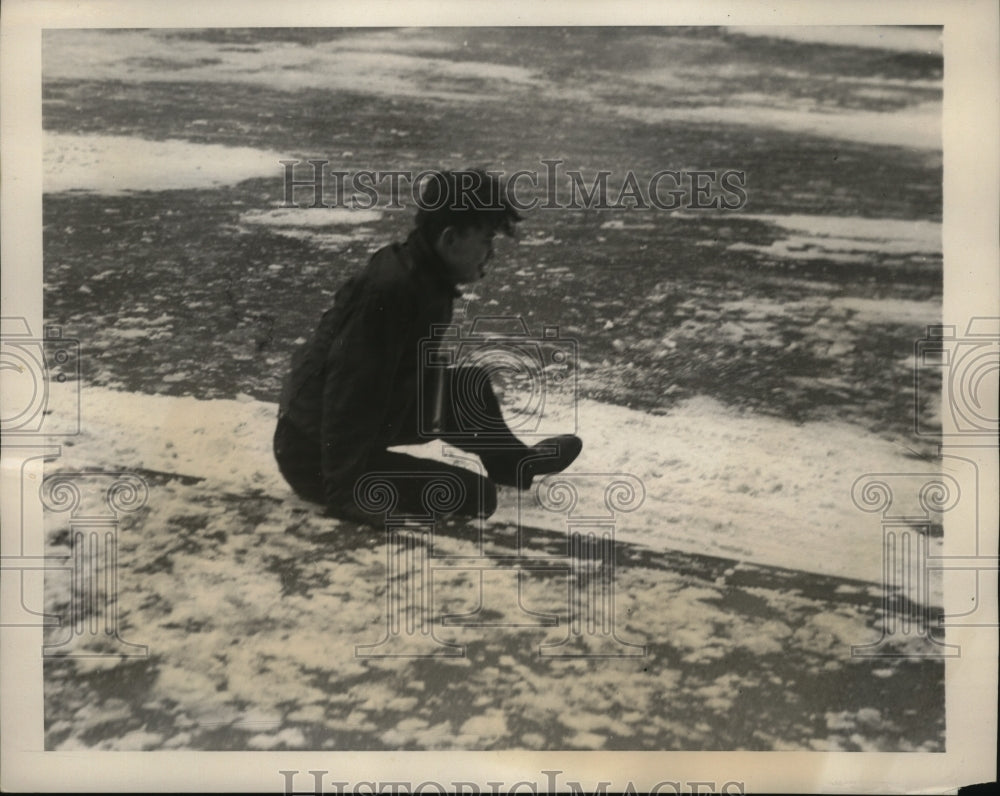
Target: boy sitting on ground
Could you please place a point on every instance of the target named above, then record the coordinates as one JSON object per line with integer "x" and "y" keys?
{"x": 354, "y": 389}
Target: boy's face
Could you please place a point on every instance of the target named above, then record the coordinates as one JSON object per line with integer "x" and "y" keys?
{"x": 465, "y": 251}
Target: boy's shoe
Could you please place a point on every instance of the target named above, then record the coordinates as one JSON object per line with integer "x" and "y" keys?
{"x": 552, "y": 455}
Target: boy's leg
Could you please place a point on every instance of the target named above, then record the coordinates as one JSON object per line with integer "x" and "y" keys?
{"x": 471, "y": 419}
{"x": 413, "y": 479}
{"x": 459, "y": 407}
{"x": 299, "y": 463}
{"x": 467, "y": 414}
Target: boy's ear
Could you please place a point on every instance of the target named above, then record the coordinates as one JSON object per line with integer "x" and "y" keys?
{"x": 446, "y": 238}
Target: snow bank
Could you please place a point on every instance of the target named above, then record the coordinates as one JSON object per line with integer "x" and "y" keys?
{"x": 881, "y": 37}
{"x": 328, "y": 229}
{"x": 846, "y": 239}
{"x": 310, "y": 217}
{"x": 391, "y": 63}
{"x": 917, "y": 127}
{"x": 891, "y": 234}
{"x": 738, "y": 486}
{"x": 114, "y": 164}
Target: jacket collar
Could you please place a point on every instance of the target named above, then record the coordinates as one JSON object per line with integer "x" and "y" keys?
{"x": 427, "y": 261}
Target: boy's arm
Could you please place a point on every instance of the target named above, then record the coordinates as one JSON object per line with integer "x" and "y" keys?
{"x": 361, "y": 372}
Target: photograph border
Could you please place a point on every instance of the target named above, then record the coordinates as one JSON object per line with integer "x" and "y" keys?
{"x": 971, "y": 208}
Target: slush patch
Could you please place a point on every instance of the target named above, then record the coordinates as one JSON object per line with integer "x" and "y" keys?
{"x": 114, "y": 164}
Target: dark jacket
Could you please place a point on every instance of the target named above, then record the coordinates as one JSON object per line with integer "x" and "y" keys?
{"x": 353, "y": 386}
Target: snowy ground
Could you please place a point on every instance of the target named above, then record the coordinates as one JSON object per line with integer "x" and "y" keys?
{"x": 745, "y": 367}
{"x": 252, "y": 605}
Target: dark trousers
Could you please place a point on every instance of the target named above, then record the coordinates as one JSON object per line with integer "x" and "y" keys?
{"x": 459, "y": 407}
